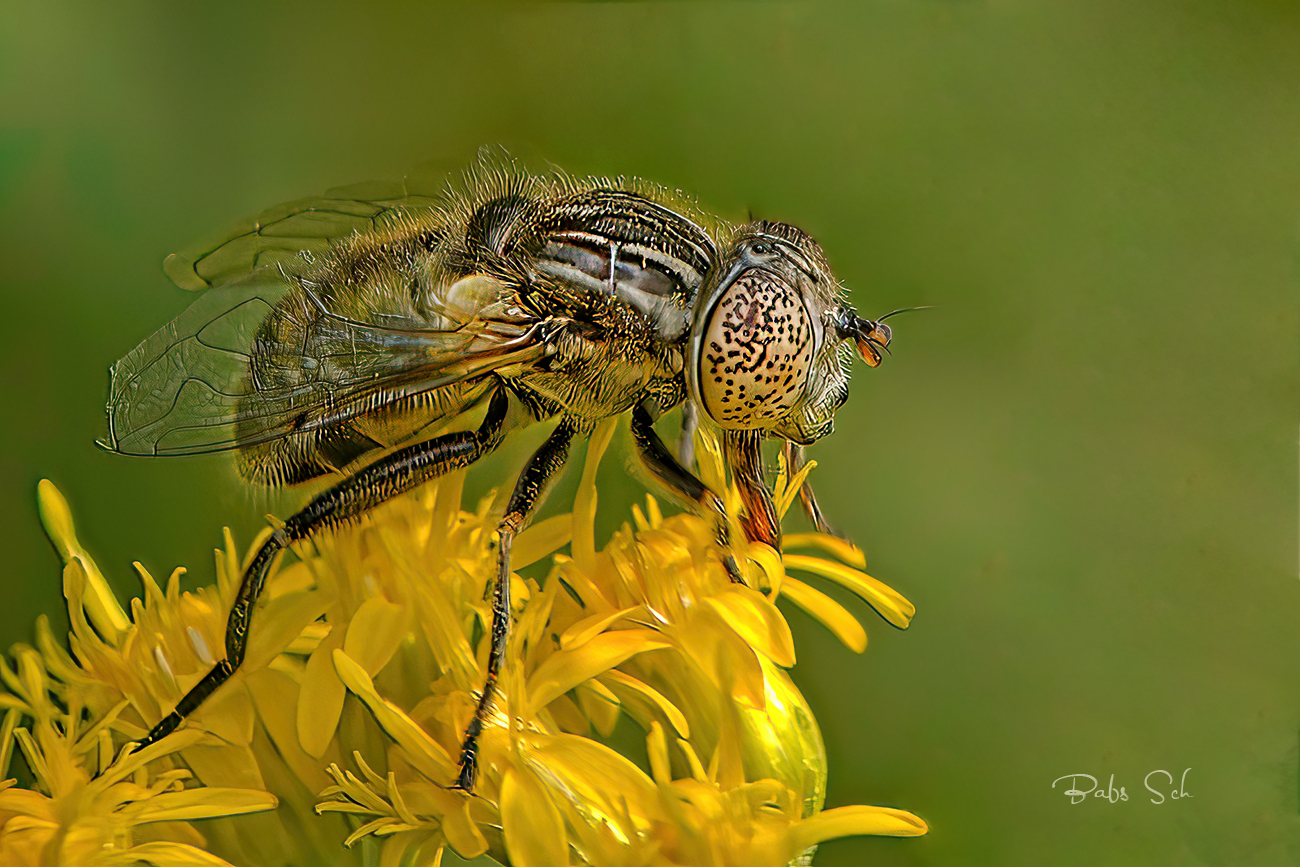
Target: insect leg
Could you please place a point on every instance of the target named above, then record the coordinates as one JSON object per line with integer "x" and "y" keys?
{"x": 530, "y": 488}
{"x": 742, "y": 449}
{"x": 686, "y": 439}
{"x": 794, "y": 459}
{"x": 387, "y": 477}
{"x": 681, "y": 481}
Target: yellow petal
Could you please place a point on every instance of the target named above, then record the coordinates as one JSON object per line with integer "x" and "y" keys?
{"x": 127, "y": 764}
{"x": 309, "y": 639}
{"x": 24, "y": 841}
{"x": 783, "y": 743}
{"x": 321, "y": 700}
{"x": 599, "y": 705}
{"x": 226, "y": 766}
{"x": 726, "y": 766}
{"x": 589, "y": 627}
{"x": 708, "y": 639}
{"x": 534, "y": 828}
{"x": 278, "y": 623}
{"x": 27, "y": 803}
{"x": 463, "y": 834}
{"x": 228, "y": 714}
{"x": 276, "y": 695}
{"x": 439, "y": 617}
{"x": 379, "y": 827}
{"x": 534, "y": 622}
{"x": 657, "y": 750}
{"x": 773, "y": 567}
{"x": 652, "y": 511}
{"x": 163, "y": 854}
{"x": 708, "y": 455}
{"x": 565, "y": 669}
{"x": 832, "y": 615}
{"x": 36, "y": 761}
{"x": 60, "y": 664}
{"x": 56, "y": 517}
{"x": 375, "y": 632}
{"x": 833, "y": 545}
{"x": 853, "y": 821}
{"x": 786, "y": 489}
{"x": 757, "y": 621}
{"x": 11, "y": 719}
{"x": 430, "y": 853}
{"x": 885, "y": 599}
{"x": 564, "y": 711}
{"x": 204, "y": 803}
{"x": 592, "y": 779}
{"x": 426, "y": 754}
{"x": 692, "y": 761}
{"x": 539, "y": 540}
{"x": 101, "y": 604}
{"x": 584, "y": 505}
{"x": 396, "y": 847}
{"x": 625, "y": 686}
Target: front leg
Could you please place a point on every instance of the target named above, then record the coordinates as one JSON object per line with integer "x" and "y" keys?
{"x": 794, "y": 461}
{"x": 656, "y": 458}
{"x": 686, "y": 439}
{"x": 528, "y": 492}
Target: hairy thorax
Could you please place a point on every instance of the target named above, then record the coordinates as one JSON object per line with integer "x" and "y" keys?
{"x": 604, "y": 363}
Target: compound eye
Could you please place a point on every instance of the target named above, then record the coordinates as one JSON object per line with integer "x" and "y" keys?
{"x": 758, "y": 348}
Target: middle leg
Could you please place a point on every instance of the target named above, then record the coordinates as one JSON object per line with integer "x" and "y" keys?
{"x": 529, "y": 490}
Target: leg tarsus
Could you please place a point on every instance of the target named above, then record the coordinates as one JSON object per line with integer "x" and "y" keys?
{"x": 733, "y": 570}
{"x": 469, "y": 748}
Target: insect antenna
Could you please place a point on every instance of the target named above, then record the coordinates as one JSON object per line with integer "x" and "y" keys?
{"x": 904, "y": 310}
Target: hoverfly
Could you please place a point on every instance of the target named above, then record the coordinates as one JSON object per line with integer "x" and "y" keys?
{"x": 338, "y": 336}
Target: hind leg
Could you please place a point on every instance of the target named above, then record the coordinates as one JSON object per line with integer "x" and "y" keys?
{"x": 386, "y": 478}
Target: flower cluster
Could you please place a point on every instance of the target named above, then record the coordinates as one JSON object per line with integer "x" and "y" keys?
{"x": 644, "y": 714}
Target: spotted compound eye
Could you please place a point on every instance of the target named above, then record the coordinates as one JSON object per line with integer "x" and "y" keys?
{"x": 758, "y": 346}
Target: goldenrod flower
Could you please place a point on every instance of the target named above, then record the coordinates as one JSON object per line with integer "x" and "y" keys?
{"x": 362, "y": 674}
{"x": 126, "y": 814}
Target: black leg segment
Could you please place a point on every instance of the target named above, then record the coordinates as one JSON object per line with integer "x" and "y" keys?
{"x": 656, "y": 458}
{"x": 686, "y": 439}
{"x": 370, "y": 486}
{"x": 529, "y": 490}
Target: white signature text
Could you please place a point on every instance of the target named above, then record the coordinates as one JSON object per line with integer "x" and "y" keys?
{"x": 1079, "y": 787}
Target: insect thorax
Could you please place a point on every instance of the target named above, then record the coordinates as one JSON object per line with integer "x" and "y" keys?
{"x": 589, "y": 286}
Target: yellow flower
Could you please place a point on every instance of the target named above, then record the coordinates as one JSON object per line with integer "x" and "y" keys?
{"x": 366, "y": 660}
{"x": 126, "y": 813}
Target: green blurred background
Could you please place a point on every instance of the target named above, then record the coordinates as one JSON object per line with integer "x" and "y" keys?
{"x": 1081, "y": 466}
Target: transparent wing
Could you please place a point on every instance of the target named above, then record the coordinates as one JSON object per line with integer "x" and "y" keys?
{"x": 219, "y": 377}
{"x": 282, "y": 233}
{"x": 178, "y": 391}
